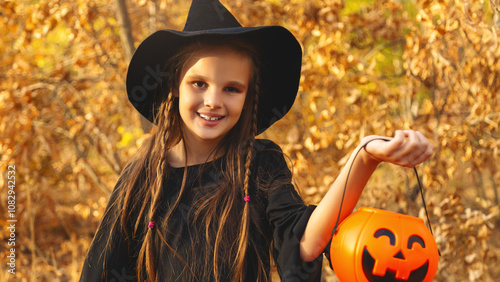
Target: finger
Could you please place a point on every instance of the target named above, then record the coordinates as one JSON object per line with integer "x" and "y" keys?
{"x": 409, "y": 154}
{"x": 422, "y": 158}
{"x": 425, "y": 151}
{"x": 416, "y": 142}
{"x": 410, "y": 146}
{"x": 422, "y": 151}
{"x": 396, "y": 143}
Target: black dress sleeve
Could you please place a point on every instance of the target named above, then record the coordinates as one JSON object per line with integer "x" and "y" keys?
{"x": 288, "y": 217}
{"x": 108, "y": 258}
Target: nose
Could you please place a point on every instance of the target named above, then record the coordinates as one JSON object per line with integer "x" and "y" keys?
{"x": 213, "y": 98}
{"x": 399, "y": 255}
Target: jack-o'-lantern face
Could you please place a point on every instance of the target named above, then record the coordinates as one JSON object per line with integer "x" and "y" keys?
{"x": 388, "y": 257}
{"x": 376, "y": 245}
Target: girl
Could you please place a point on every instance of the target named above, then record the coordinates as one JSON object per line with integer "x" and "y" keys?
{"x": 203, "y": 200}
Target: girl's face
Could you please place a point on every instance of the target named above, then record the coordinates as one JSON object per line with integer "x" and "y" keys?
{"x": 212, "y": 92}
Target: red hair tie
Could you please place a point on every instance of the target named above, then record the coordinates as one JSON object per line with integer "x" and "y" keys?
{"x": 247, "y": 199}
{"x": 151, "y": 224}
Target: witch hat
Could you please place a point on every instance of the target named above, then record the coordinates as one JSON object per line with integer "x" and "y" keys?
{"x": 280, "y": 53}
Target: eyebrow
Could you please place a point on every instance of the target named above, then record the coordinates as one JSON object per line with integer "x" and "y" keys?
{"x": 233, "y": 83}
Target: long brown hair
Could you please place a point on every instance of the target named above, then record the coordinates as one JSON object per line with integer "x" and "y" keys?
{"x": 226, "y": 217}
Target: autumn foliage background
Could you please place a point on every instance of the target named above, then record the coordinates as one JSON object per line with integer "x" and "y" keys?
{"x": 369, "y": 67}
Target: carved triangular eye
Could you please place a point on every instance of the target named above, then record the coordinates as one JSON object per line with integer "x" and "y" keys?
{"x": 415, "y": 239}
{"x": 388, "y": 233}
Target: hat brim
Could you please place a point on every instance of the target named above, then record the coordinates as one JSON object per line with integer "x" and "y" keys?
{"x": 281, "y": 57}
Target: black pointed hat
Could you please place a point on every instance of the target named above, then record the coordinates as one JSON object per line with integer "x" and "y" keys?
{"x": 280, "y": 54}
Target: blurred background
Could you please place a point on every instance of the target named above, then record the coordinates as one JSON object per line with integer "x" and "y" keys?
{"x": 369, "y": 67}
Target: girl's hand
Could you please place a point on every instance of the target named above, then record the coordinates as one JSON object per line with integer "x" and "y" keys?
{"x": 408, "y": 148}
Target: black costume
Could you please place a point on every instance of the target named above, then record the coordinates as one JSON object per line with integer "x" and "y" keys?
{"x": 280, "y": 212}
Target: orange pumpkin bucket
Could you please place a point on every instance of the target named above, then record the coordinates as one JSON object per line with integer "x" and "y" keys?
{"x": 378, "y": 245}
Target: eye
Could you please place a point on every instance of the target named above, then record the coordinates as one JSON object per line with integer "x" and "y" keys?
{"x": 415, "y": 239}
{"x": 232, "y": 89}
{"x": 388, "y": 233}
{"x": 199, "y": 84}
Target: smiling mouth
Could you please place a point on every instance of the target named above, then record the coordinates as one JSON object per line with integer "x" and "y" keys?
{"x": 368, "y": 262}
{"x": 205, "y": 117}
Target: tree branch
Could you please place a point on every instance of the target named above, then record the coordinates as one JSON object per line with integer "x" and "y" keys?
{"x": 128, "y": 45}
{"x": 125, "y": 29}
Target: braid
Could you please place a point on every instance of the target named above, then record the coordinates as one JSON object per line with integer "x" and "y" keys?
{"x": 148, "y": 251}
{"x": 245, "y": 223}
{"x": 252, "y": 136}
{"x": 164, "y": 125}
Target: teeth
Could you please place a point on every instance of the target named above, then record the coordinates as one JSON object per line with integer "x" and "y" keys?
{"x": 209, "y": 118}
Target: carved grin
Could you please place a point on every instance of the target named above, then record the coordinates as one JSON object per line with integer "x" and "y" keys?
{"x": 368, "y": 262}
